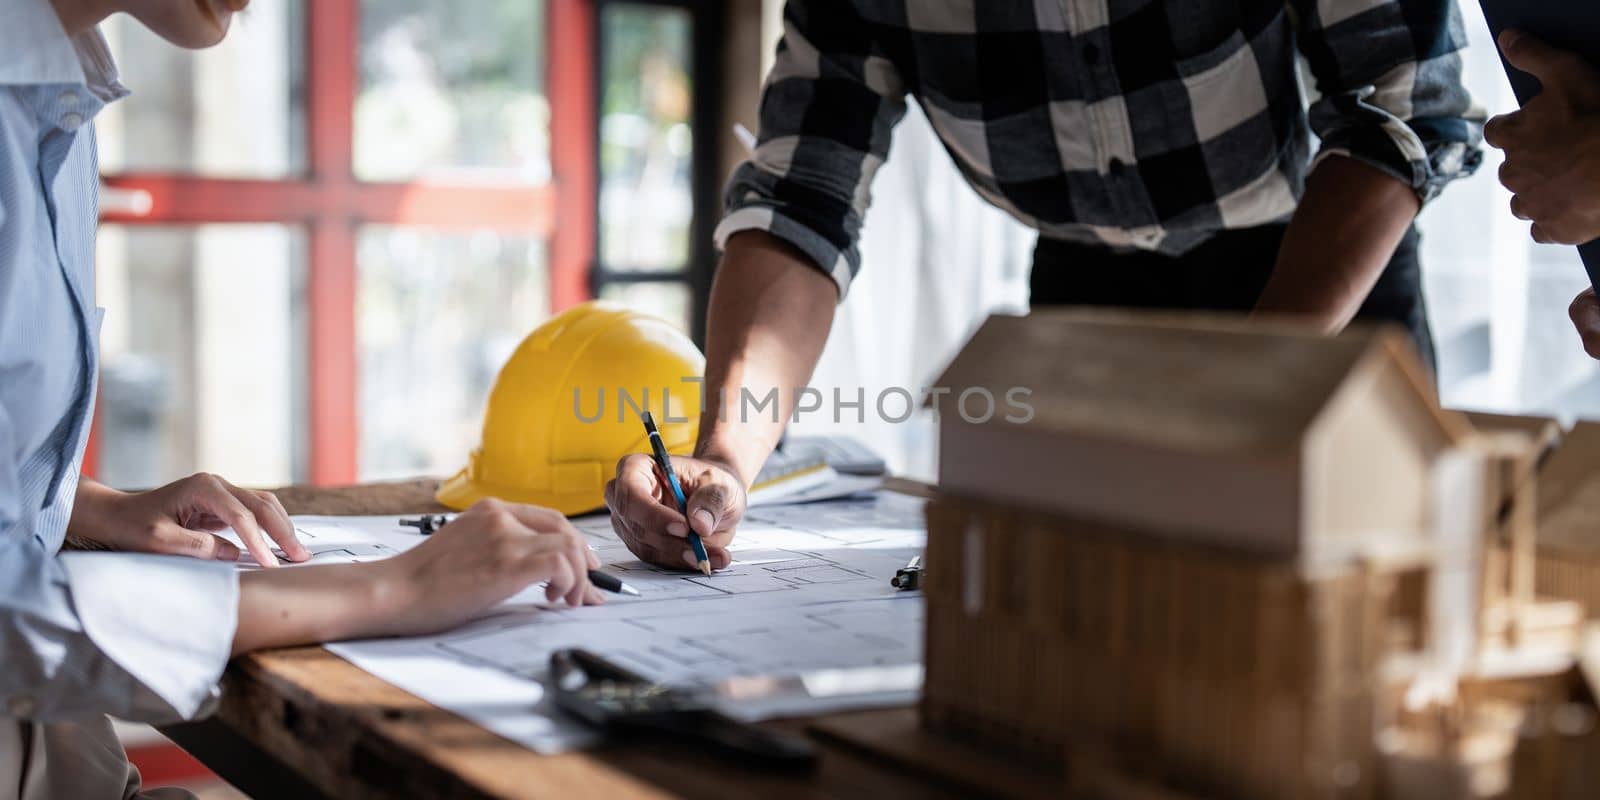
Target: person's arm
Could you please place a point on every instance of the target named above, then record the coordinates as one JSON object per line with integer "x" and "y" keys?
{"x": 1392, "y": 99}
{"x": 146, "y": 637}
{"x": 789, "y": 253}
{"x": 769, "y": 317}
{"x": 1350, "y": 220}
{"x": 486, "y": 554}
{"x": 137, "y": 637}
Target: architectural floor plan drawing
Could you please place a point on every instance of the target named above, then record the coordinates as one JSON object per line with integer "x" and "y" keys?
{"x": 808, "y": 590}
{"x": 336, "y": 552}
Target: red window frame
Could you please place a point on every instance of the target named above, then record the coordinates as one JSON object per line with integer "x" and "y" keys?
{"x": 330, "y": 203}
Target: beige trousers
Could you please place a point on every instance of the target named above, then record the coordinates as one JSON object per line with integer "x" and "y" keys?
{"x": 69, "y": 761}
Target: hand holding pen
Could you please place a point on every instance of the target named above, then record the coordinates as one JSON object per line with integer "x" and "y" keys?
{"x": 646, "y": 515}
{"x": 658, "y": 449}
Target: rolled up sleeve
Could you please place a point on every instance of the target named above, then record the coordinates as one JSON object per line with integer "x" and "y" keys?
{"x": 828, "y": 111}
{"x": 1391, "y": 94}
{"x": 138, "y": 637}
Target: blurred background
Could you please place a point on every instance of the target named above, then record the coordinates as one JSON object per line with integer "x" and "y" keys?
{"x": 322, "y": 238}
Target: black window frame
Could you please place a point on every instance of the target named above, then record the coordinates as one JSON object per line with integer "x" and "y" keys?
{"x": 707, "y": 22}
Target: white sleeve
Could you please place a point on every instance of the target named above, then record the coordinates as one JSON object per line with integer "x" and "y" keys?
{"x": 139, "y": 637}
{"x": 134, "y": 636}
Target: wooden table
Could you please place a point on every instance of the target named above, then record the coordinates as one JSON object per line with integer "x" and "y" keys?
{"x": 302, "y": 722}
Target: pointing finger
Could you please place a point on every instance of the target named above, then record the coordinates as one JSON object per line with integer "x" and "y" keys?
{"x": 272, "y": 519}
{"x": 216, "y": 500}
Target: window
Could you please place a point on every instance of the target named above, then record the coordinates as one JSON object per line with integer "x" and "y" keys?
{"x": 233, "y": 111}
{"x": 646, "y": 141}
{"x": 184, "y": 361}
{"x": 447, "y": 93}
{"x": 1497, "y": 301}
{"x": 437, "y": 314}
{"x": 658, "y": 185}
{"x": 324, "y": 234}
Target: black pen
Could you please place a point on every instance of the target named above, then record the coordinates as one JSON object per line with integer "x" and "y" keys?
{"x": 427, "y": 524}
{"x": 611, "y": 583}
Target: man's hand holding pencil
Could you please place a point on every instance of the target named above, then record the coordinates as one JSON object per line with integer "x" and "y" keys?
{"x": 649, "y": 516}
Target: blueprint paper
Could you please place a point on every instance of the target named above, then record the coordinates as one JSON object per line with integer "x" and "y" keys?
{"x": 808, "y": 590}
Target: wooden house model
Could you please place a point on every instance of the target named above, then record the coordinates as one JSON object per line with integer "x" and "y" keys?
{"x": 1569, "y": 518}
{"x": 1226, "y": 553}
{"x": 1267, "y": 439}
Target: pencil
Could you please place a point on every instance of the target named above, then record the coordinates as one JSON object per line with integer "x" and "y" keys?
{"x": 664, "y": 463}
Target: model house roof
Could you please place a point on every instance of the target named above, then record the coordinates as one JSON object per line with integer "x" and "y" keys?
{"x": 1195, "y": 383}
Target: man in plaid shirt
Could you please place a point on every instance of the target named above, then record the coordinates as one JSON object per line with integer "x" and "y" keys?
{"x": 1162, "y": 148}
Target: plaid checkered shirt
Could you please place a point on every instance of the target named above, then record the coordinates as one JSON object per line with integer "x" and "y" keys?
{"x": 1138, "y": 124}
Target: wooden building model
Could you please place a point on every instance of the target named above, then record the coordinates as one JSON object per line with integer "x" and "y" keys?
{"x": 1229, "y": 556}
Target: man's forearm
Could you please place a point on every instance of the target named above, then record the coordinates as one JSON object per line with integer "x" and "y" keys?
{"x": 769, "y": 318}
{"x": 1349, "y": 223}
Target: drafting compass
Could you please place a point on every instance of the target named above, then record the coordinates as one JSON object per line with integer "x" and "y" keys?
{"x": 615, "y": 700}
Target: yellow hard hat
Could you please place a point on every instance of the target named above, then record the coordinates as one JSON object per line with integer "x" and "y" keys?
{"x": 566, "y": 408}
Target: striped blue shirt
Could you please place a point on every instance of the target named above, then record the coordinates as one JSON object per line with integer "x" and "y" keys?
{"x": 138, "y": 637}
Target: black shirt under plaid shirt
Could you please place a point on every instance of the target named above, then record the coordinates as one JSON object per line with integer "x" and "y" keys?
{"x": 1144, "y": 124}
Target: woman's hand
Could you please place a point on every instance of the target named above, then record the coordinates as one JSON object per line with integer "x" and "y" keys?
{"x": 490, "y": 552}
{"x": 485, "y": 555}
{"x": 182, "y": 518}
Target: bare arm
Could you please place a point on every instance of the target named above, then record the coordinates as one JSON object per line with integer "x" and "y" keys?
{"x": 770, "y": 314}
{"x": 828, "y": 111}
{"x": 1343, "y": 235}
{"x": 1396, "y": 125}
{"x": 323, "y": 603}
{"x": 488, "y": 553}
{"x": 769, "y": 319}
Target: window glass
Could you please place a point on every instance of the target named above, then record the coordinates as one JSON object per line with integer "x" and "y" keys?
{"x": 234, "y": 110}
{"x": 452, "y": 90}
{"x": 203, "y": 348}
{"x": 668, "y": 300}
{"x": 437, "y": 315}
{"x": 646, "y": 144}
